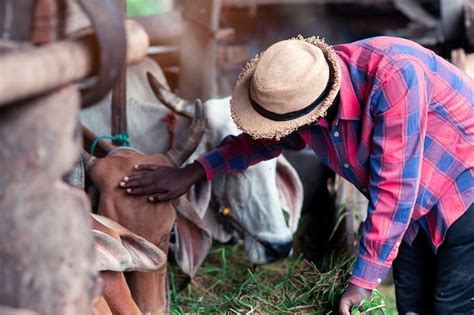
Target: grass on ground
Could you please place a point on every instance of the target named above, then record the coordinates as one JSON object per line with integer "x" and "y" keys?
{"x": 227, "y": 283}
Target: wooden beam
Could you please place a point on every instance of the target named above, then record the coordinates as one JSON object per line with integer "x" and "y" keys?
{"x": 13, "y": 11}
{"x": 58, "y": 63}
{"x": 163, "y": 28}
{"x": 198, "y": 73}
{"x": 247, "y": 3}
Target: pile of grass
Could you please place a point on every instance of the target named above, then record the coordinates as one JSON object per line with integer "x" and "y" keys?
{"x": 227, "y": 283}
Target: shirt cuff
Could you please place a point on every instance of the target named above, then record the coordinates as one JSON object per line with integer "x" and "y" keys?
{"x": 207, "y": 167}
{"x": 367, "y": 273}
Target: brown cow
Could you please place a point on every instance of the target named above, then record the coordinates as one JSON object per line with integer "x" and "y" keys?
{"x": 153, "y": 221}
{"x": 118, "y": 250}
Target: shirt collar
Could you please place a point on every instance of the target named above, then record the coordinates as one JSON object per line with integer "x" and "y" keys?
{"x": 349, "y": 107}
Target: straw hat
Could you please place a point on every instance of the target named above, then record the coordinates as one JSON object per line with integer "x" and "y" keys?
{"x": 289, "y": 85}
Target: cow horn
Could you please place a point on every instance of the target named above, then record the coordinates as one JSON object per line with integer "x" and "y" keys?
{"x": 88, "y": 160}
{"x": 172, "y": 101}
{"x": 182, "y": 150}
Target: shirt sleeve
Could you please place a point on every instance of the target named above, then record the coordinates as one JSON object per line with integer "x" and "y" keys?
{"x": 399, "y": 113}
{"x": 236, "y": 153}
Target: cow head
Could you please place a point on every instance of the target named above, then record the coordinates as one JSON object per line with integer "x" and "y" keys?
{"x": 252, "y": 204}
{"x": 261, "y": 206}
{"x": 152, "y": 221}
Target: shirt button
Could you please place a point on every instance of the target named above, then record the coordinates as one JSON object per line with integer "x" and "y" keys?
{"x": 336, "y": 134}
{"x": 346, "y": 165}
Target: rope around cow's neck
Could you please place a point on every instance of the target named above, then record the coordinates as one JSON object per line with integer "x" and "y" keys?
{"x": 122, "y": 138}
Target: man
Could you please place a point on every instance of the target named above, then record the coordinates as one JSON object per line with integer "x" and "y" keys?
{"x": 394, "y": 119}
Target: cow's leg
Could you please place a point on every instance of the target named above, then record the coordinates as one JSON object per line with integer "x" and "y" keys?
{"x": 150, "y": 291}
{"x": 45, "y": 241}
{"x": 117, "y": 294}
{"x": 101, "y": 307}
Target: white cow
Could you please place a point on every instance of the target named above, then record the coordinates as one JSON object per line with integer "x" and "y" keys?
{"x": 255, "y": 198}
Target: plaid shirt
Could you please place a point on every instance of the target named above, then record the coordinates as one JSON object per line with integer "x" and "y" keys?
{"x": 403, "y": 135}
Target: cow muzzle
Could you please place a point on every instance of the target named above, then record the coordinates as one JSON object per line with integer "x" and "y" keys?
{"x": 274, "y": 252}
{"x": 264, "y": 252}
{"x": 261, "y": 248}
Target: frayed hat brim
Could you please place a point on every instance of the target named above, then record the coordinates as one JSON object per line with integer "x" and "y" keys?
{"x": 259, "y": 127}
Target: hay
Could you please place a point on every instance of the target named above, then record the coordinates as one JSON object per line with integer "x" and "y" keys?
{"x": 227, "y": 283}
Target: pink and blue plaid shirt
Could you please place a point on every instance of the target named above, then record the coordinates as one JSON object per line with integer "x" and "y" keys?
{"x": 403, "y": 135}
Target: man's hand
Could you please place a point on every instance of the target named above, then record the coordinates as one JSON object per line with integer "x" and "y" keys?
{"x": 352, "y": 296}
{"x": 162, "y": 182}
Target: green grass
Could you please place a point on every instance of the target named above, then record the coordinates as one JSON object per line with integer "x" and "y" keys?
{"x": 227, "y": 283}
{"x": 375, "y": 305}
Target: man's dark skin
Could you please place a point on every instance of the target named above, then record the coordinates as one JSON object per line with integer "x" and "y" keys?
{"x": 165, "y": 183}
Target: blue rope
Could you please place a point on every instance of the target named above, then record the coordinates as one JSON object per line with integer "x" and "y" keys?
{"x": 122, "y": 138}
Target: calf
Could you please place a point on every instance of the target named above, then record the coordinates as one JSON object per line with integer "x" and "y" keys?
{"x": 153, "y": 221}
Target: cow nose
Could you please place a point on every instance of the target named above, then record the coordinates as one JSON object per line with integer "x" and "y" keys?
{"x": 276, "y": 251}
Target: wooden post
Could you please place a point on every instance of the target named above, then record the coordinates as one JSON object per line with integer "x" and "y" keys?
{"x": 198, "y": 71}
{"x": 12, "y": 11}
{"x": 119, "y": 97}
{"x": 46, "y": 246}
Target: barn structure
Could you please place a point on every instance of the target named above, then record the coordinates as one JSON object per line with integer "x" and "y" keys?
{"x": 69, "y": 243}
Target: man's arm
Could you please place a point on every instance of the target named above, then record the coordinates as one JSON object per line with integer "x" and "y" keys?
{"x": 399, "y": 109}
{"x": 236, "y": 153}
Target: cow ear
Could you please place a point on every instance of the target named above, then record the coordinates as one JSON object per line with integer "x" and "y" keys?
{"x": 200, "y": 196}
{"x": 144, "y": 255}
{"x": 109, "y": 253}
{"x": 192, "y": 238}
{"x": 290, "y": 190}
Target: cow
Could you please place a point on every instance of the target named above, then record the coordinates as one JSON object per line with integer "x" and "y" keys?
{"x": 153, "y": 221}
{"x": 255, "y": 198}
{"x": 117, "y": 250}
